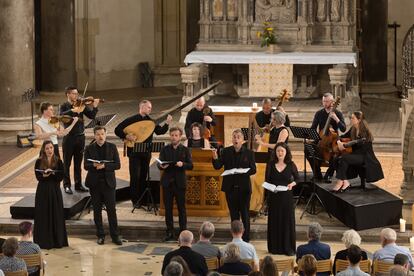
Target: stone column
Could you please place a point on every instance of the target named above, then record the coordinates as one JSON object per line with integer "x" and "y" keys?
{"x": 16, "y": 62}
{"x": 190, "y": 78}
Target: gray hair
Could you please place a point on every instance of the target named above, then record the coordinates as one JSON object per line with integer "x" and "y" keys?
{"x": 173, "y": 269}
{"x": 389, "y": 234}
{"x": 351, "y": 237}
{"x": 207, "y": 230}
{"x": 232, "y": 253}
{"x": 266, "y": 101}
{"x": 315, "y": 231}
{"x": 186, "y": 237}
{"x": 328, "y": 95}
{"x": 279, "y": 117}
{"x": 398, "y": 270}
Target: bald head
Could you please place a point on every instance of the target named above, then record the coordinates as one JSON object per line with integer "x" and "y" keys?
{"x": 199, "y": 103}
{"x": 186, "y": 238}
{"x": 388, "y": 236}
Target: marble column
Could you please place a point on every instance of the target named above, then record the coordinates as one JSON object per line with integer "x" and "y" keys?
{"x": 16, "y": 62}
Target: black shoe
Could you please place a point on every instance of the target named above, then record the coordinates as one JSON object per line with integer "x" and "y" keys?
{"x": 169, "y": 237}
{"x": 117, "y": 241}
{"x": 81, "y": 189}
{"x": 100, "y": 241}
{"x": 68, "y": 190}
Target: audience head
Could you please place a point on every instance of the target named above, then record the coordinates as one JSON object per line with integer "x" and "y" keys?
{"x": 183, "y": 263}
{"x": 402, "y": 259}
{"x": 237, "y": 229}
{"x": 398, "y": 270}
{"x": 308, "y": 265}
{"x": 351, "y": 237}
{"x": 213, "y": 273}
{"x": 354, "y": 254}
{"x": 10, "y": 247}
{"x": 268, "y": 266}
{"x": 173, "y": 269}
{"x": 207, "y": 230}
{"x": 388, "y": 236}
{"x": 232, "y": 253}
{"x": 257, "y": 273}
{"x": 315, "y": 231}
{"x": 26, "y": 228}
{"x": 278, "y": 117}
{"x": 186, "y": 238}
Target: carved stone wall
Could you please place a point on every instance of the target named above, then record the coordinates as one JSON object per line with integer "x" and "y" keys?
{"x": 307, "y": 25}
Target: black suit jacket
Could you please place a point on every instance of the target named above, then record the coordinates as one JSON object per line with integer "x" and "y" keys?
{"x": 195, "y": 261}
{"x": 79, "y": 127}
{"x": 173, "y": 172}
{"x": 111, "y": 153}
{"x": 227, "y": 159}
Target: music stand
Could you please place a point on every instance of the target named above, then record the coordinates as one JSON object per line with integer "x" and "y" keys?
{"x": 148, "y": 148}
{"x": 313, "y": 153}
{"x": 304, "y": 133}
{"x": 101, "y": 121}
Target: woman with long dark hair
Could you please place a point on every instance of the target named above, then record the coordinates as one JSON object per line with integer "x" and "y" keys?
{"x": 362, "y": 156}
{"x": 49, "y": 222}
{"x": 281, "y": 171}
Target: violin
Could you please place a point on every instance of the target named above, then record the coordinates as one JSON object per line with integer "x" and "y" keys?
{"x": 66, "y": 119}
{"x": 207, "y": 132}
{"x": 86, "y": 101}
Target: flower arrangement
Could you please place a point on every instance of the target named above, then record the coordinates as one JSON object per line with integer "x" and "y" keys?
{"x": 267, "y": 35}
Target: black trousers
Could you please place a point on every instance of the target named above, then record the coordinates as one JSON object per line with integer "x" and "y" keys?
{"x": 346, "y": 161}
{"x": 138, "y": 170}
{"x": 73, "y": 147}
{"x": 179, "y": 193}
{"x": 103, "y": 194}
{"x": 239, "y": 204}
{"x": 315, "y": 164}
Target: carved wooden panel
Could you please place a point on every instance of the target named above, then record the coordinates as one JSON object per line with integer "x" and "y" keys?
{"x": 193, "y": 193}
{"x": 212, "y": 190}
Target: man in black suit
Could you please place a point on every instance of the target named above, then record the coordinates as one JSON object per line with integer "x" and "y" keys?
{"x": 195, "y": 261}
{"x": 237, "y": 187}
{"x": 201, "y": 114}
{"x": 74, "y": 143}
{"x": 173, "y": 180}
{"x": 101, "y": 161}
{"x": 264, "y": 117}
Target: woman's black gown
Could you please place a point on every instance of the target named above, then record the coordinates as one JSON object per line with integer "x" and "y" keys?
{"x": 49, "y": 221}
{"x": 281, "y": 234}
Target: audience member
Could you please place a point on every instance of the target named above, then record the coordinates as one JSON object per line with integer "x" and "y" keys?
{"x": 350, "y": 237}
{"x": 232, "y": 261}
{"x": 9, "y": 262}
{"x": 398, "y": 270}
{"x": 173, "y": 269}
{"x": 268, "y": 267}
{"x": 213, "y": 273}
{"x": 183, "y": 263}
{"x": 247, "y": 250}
{"x": 402, "y": 260}
{"x": 195, "y": 261}
{"x": 390, "y": 248}
{"x": 354, "y": 257}
{"x": 204, "y": 246}
{"x": 26, "y": 246}
{"x": 257, "y": 273}
{"x": 307, "y": 265}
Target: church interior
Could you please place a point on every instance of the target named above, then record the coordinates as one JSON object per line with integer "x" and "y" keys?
{"x": 236, "y": 58}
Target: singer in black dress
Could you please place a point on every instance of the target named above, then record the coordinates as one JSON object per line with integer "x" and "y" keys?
{"x": 49, "y": 221}
{"x": 281, "y": 171}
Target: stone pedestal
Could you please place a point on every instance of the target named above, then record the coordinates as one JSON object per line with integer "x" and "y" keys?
{"x": 407, "y": 127}
{"x": 16, "y": 62}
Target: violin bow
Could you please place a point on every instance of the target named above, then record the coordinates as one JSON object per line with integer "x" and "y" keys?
{"x": 84, "y": 90}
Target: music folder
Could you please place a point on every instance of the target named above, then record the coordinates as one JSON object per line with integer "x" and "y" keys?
{"x": 44, "y": 171}
{"x": 99, "y": 161}
{"x": 235, "y": 171}
{"x": 273, "y": 188}
{"x": 164, "y": 162}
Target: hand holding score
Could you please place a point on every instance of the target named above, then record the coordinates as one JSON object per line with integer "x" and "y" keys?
{"x": 215, "y": 155}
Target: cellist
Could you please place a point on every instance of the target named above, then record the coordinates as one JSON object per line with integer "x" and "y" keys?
{"x": 337, "y": 122}
{"x": 201, "y": 114}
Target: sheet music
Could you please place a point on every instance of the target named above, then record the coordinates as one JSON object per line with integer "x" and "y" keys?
{"x": 235, "y": 171}
{"x": 164, "y": 162}
{"x": 43, "y": 171}
{"x": 99, "y": 161}
{"x": 273, "y": 188}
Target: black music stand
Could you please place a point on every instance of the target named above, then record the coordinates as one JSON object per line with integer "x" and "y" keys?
{"x": 304, "y": 133}
{"x": 313, "y": 153}
{"x": 147, "y": 148}
{"x": 101, "y": 121}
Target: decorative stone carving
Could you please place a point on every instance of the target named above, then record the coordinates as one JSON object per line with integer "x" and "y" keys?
{"x": 335, "y": 10}
{"x": 217, "y": 9}
{"x": 321, "y": 10}
{"x": 232, "y": 10}
{"x": 281, "y": 11}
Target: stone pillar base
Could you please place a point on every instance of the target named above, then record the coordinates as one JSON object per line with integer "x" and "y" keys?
{"x": 381, "y": 90}
{"x": 16, "y": 123}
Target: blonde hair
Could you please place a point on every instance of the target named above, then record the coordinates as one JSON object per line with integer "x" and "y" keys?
{"x": 232, "y": 253}
{"x": 351, "y": 237}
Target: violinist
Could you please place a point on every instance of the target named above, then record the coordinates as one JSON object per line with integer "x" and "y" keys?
{"x": 201, "y": 114}
{"x": 46, "y": 129}
{"x": 337, "y": 123}
{"x": 278, "y": 131}
{"x": 196, "y": 140}
{"x": 74, "y": 143}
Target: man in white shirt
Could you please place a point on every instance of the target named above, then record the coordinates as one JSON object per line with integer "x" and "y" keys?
{"x": 390, "y": 248}
{"x": 247, "y": 250}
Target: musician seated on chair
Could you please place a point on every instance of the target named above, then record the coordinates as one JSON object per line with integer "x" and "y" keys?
{"x": 101, "y": 182}
{"x": 362, "y": 156}
{"x": 195, "y": 140}
{"x": 203, "y": 115}
{"x": 264, "y": 117}
{"x": 278, "y": 132}
{"x": 139, "y": 161}
{"x": 331, "y": 119}
{"x": 173, "y": 180}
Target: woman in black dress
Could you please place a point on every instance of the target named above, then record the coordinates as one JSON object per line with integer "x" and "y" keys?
{"x": 281, "y": 171}
{"x": 49, "y": 222}
{"x": 362, "y": 156}
{"x": 196, "y": 140}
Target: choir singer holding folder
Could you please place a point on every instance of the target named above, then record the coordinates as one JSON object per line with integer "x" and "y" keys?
{"x": 281, "y": 171}
{"x": 237, "y": 186}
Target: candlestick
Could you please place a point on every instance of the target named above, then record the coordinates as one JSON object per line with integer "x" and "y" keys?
{"x": 412, "y": 243}
{"x": 402, "y": 225}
